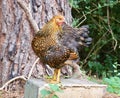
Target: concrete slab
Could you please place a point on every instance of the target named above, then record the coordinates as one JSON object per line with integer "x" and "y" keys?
{"x": 72, "y": 88}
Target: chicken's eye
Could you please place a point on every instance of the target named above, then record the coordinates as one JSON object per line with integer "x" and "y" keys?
{"x": 60, "y": 18}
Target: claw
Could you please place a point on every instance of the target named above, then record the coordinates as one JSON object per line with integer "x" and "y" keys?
{"x": 56, "y": 77}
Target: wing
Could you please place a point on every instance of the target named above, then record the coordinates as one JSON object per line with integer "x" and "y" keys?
{"x": 56, "y": 56}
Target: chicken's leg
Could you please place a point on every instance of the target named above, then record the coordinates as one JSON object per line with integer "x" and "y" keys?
{"x": 56, "y": 76}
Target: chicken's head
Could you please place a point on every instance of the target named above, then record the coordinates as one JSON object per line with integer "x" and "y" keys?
{"x": 59, "y": 19}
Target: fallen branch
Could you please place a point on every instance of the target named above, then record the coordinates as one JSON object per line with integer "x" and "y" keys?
{"x": 109, "y": 27}
{"x": 13, "y": 79}
{"x": 23, "y": 5}
{"x": 84, "y": 16}
{"x": 20, "y": 77}
{"x": 30, "y": 73}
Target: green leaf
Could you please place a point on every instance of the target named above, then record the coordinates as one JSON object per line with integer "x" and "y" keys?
{"x": 113, "y": 84}
{"x": 75, "y": 22}
{"x": 55, "y": 88}
{"x": 110, "y": 89}
{"x": 90, "y": 64}
{"x": 99, "y": 6}
{"x": 44, "y": 92}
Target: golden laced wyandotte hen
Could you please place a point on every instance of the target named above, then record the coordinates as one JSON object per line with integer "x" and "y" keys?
{"x": 57, "y": 42}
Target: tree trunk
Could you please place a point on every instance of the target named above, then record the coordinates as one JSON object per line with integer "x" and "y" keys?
{"x": 16, "y": 55}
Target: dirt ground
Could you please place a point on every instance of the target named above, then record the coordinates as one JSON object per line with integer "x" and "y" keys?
{"x": 13, "y": 90}
{"x": 20, "y": 94}
{"x": 110, "y": 95}
{"x": 12, "y": 94}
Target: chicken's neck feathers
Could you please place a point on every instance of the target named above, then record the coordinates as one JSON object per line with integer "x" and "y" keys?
{"x": 51, "y": 28}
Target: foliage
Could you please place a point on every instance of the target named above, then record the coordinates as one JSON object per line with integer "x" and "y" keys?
{"x": 108, "y": 67}
{"x": 113, "y": 84}
{"x": 51, "y": 91}
{"x": 96, "y": 67}
{"x": 102, "y": 57}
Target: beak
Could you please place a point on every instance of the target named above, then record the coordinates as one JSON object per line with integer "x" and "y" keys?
{"x": 64, "y": 20}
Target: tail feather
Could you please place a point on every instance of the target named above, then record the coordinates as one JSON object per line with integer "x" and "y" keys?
{"x": 74, "y": 38}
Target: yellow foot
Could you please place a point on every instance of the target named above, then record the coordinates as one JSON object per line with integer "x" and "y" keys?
{"x": 56, "y": 77}
{"x": 52, "y": 81}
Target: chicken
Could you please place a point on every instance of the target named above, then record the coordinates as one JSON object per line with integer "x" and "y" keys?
{"x": 57, "y": 42}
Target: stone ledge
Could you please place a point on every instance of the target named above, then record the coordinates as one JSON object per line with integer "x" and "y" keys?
{"x": 73, "y": 88}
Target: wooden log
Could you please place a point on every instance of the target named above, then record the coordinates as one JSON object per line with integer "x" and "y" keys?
{"x": 72, "y": 88}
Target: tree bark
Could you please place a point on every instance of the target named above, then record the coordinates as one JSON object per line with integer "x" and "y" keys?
{"x": 16, "y": 55}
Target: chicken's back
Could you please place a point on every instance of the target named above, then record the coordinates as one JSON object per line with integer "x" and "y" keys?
{"x": 41, "y": 43}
